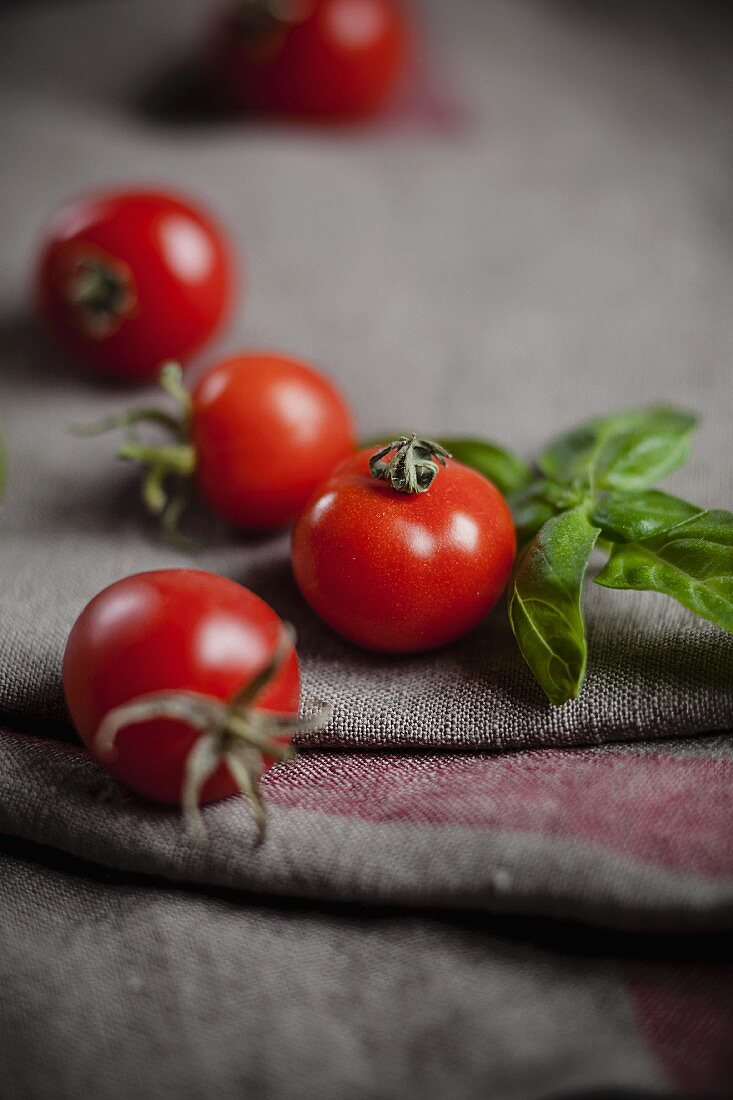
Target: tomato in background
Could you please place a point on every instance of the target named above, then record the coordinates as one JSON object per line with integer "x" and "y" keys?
{"x": 403, "y": 571}
{"x": 312, "y": 57}
{"x": 128, "y": 279}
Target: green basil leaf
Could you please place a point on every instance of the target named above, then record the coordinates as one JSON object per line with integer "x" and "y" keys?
{"x": 628, "y": 451}
{"x": 507, "y": 472}
{"x": 630, "y": 517}
{"x": 692, "y": 563}
{"x": 545, "y": 607}
{"x": 530, "y": 508}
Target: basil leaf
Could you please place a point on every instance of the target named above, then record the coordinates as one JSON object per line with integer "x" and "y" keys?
{"x": 631, "y": 450}
{"x": 530, "y": 508}
{"x": 507, "y": 472}
{"x": 545, "y": 603}
{"x": 630, "y": 517}
{"x": 692, "y": 563}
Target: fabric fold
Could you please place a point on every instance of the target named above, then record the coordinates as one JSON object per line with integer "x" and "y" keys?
{"x": 630, "y": 837}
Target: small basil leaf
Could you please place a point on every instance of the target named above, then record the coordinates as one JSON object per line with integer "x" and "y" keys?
{"x": 545, "y": 603}
{"x": 692, "y": 563}
{"x": 507, "y": 472}
{"x": 628, "y": 451}
{"x": 572, "y": 455}
{"x": 630, "y": 517}
{"x": 530, "y": 508}
{"x": 646, "y": 455}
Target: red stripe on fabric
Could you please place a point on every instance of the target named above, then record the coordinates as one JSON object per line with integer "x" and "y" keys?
{"x": 674, "y": 812}
{"x": 686, "y": 1014}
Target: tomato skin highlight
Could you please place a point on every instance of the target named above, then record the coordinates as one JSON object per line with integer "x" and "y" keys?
{"x": 401, "y": 572}
{"x": 178, "y": 630}
{"x": 331, "y": 58}
{"x": 267, "y": 430}
{"x": 174, "y": 260}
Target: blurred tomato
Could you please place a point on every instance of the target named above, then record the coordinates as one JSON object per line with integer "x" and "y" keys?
{"x": 316, "y": 57}
{"x": 128, "y": 279}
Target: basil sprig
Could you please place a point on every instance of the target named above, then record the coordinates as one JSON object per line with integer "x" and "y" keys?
{"x": 592, "y": 487}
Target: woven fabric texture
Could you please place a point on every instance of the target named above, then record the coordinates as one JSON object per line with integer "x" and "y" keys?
{"x": 622, "y": 836}
{"x": 538, "y": 233}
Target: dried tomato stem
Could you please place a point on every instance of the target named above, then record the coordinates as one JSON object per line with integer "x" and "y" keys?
{"x": 408, "y": 463}
{"x": 100, "y": 293}
{"x": 235, "y": 733}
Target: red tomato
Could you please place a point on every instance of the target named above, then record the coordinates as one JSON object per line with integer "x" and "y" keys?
{"x": 318, "y": 57}
{"x": 178, "y": 630}
{"x": 258, "y": 433}
{"x": 267, "y": 430}
{"x": 130, "y": 278}
{"x": 403, "y": 572}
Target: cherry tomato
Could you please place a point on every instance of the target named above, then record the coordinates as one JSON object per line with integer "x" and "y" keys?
{"x": 176, "y": 631}
{"x": 258, "y": 433}
{"x": 317, "y": 57}
{"x": 128, "y": 279}
{"x": 267, "y": 430}
{"x": 403, "y": 571}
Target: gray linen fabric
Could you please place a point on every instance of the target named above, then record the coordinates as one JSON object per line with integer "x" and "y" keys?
{"x": 540, "y": 234}
{"x": 618, "y": 836}
{"x": 124, "y": 991}
{"x": 555, "y": 248}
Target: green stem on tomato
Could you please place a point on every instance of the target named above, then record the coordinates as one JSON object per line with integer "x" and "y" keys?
{"x": 161, "y": 462}
{"x": 234, "y": 732}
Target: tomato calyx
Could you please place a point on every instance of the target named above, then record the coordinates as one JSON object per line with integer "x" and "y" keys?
{"x": 100, "y": 293}
{"x": 413, "y": 465}
{"x": 166, "y": 487}
{"x": 234, "y": 732}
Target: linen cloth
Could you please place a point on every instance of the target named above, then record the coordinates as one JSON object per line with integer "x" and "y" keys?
{"x": 537, "y": 234}
{"x": 613, "y": 835}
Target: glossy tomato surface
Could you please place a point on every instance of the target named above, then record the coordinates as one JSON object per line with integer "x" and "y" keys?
{"x": 267, "y": 430}
{"x": 403, "y": 572}
{"x": 173, "y": 629}
{"x": 128, "y": 279}
{"x": 316, "y": 57}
